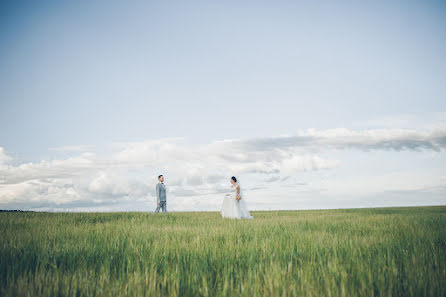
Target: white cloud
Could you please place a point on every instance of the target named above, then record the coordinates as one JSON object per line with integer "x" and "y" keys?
{"x": 305, "y": 163}
{"x": 377, "y": 139}
{"x": 4, "y": 158}
{"x": 107, "y": 184}
{"x": 121, "y": 177}
{"x": 417, "y": 180}
{"x": 54, "y": 169}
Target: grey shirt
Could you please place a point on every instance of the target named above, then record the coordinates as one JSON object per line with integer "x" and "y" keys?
{"x": 160, "y": 192}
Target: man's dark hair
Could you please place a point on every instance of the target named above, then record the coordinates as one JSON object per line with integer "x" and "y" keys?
{"x": 159, "y": 176}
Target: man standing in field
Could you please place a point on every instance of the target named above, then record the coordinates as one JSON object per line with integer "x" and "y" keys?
{"x": 161, "y": 195}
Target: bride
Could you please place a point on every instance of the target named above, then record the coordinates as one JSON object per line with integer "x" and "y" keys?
{"x": 234, "y": 205}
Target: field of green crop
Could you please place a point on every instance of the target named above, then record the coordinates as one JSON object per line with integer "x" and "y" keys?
{"x": 357, "y": 252}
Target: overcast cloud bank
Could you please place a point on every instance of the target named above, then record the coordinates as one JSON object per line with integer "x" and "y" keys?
{"x": 124, "y": 178}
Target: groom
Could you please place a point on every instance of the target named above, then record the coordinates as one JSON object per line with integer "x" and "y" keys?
{"x": 161, "y": 195}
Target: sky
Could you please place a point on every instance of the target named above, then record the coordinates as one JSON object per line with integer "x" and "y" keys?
{"x": 312, "y": 105}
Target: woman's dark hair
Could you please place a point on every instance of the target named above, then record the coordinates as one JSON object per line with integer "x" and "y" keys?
{"x": 234, "y": 179}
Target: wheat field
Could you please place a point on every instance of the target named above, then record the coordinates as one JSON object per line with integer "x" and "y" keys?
{"x": 352, "y": 252}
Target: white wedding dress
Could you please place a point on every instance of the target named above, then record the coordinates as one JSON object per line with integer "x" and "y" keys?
{"x": 235, "y": 209}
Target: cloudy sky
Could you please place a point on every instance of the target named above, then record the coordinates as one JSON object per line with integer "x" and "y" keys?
{"x": 327, "y": 104}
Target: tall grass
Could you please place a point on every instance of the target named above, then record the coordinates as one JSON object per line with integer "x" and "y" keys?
{"x": 357, "y": 252}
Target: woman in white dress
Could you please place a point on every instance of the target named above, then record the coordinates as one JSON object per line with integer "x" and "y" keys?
{"x": 234, "y": 205}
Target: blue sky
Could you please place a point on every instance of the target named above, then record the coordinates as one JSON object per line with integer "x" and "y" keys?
{"x": 97, "y": 97}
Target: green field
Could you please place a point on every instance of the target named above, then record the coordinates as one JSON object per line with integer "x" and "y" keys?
{"x": 356, "y": 252}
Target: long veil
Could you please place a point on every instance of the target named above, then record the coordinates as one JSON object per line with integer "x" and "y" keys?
{"x": 242, "y": 202}
{"x": 240, "y": 187}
